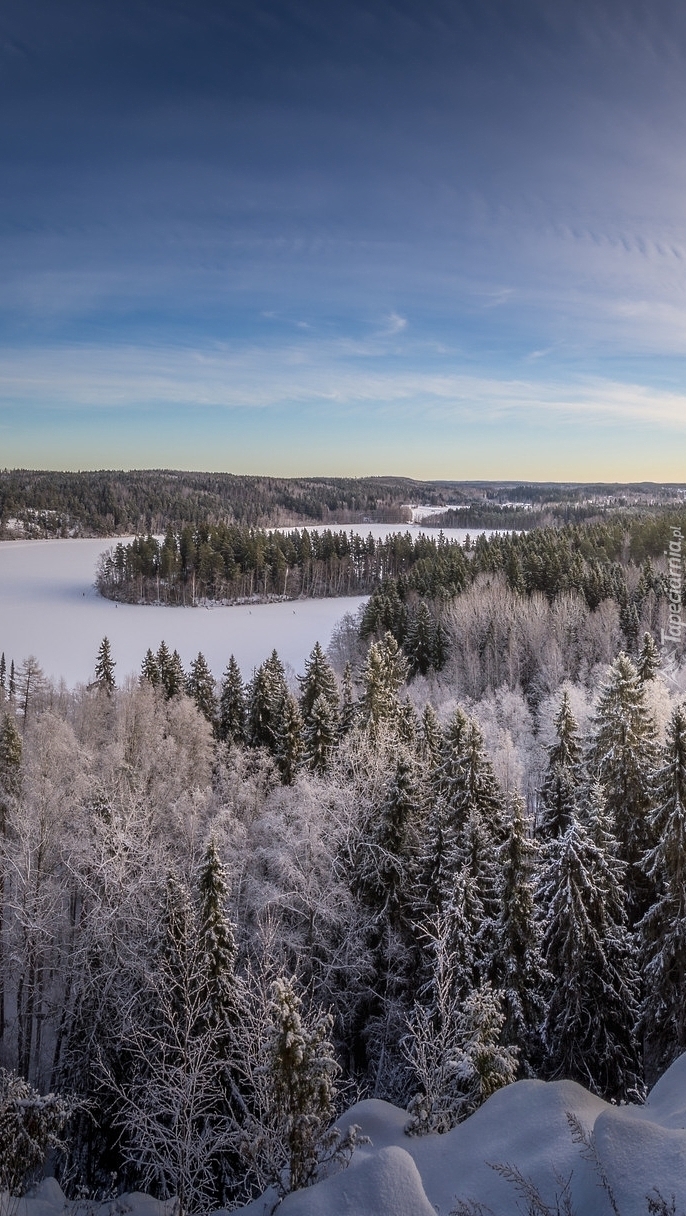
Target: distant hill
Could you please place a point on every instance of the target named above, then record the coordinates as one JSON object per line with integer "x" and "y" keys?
{"x": 115, "y": 503}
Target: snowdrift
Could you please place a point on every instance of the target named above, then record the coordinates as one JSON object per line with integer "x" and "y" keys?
{"x": 640, "y": 1149}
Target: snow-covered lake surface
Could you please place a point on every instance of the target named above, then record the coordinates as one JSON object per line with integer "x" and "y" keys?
{"x": 50, "y": 608}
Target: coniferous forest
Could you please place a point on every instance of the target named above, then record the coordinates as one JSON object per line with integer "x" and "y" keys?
{"x": 450, "y": 853}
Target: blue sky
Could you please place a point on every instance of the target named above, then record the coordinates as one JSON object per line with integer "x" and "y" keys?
{"x": 433, "y": 239}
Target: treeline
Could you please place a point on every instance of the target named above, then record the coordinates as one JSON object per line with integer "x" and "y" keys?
{"x": 219, "y": 903}
{"x": 107, "y": 503}
{"x": 594, "y": 564}
{"x": 229, "y": 563}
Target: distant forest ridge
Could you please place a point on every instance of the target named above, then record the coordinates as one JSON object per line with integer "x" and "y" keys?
{"x": 112, "y": 503}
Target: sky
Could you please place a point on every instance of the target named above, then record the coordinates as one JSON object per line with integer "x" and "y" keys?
{"x": 432, "y": 238}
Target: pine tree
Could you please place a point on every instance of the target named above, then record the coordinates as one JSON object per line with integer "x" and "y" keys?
{"x": 232, "y": 705}
{"x": 150, "y": 670}
{"x": 623, "y": 757}
{"x": 662, "y": 932}
{"x": 518, "y": 971}
{"x": 104, "y": 668}
{"x": 558, "y": 792}
{"x": 588, "y": 951}
{"x": 201, "y": 687}
{"x": 649, "y": 658}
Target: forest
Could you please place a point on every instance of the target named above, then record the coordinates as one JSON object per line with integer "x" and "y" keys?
{"x": 115, "y": 503}
{"x": 110, "y": 503}
{"x": 229, "y": 910}
{"x": 412, "y": 579}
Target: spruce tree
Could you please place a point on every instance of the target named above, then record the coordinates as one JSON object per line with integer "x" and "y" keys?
{"x": 302, "y": 1071}
{"x": 287, "y": 731}
{"x": 387, "y": 863}
{"x": 232, "y": 705}
{"x": 176, "y": 677}
{"x": 150, "y": 671}
{"x": 431, "y": 738}
{"x": 348, "y": 711}
{"x": 218, "y": 946}
{"x": 623, "y": 757}
{"x": 104, "y": 668}
{"x": 201, "y": 687}
{"x": 10, "y": 756}
{"x": 558, "y": 792}
{"x": 518, "y": 970}
{"x": 419, "y": 644}
{"x": 320, "y": 735}
{"x": 383, "y": 674}
{"x": 163, "y": 659}
{"x": 587, "y": 949}
{"x": 318, "y": 681}
{"x": 267, "y": 694}
{"x": 649, "y": 661}
{"x": 12, "y": 685}
{"x": 3, "y": 677}
{"x": 662, "y": 932}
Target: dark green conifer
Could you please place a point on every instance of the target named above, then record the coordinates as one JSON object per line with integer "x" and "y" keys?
{"x": 518, "y": 971}
{"x": 201, "y": 687}
{"x": 318, "y": 681}
{"x": 320, "y": 735}
{"x": 589, "y": 1029}
{"x": 649, "y": 661}
{"x": 623, "y": 757}
{"x": 348, "y": 712}
{"x": 150, "y": 670}
{"x": 662, "y": 932}
{"x": 232, "y": 705}
{"x": 558, "y": 792}
{"x": 104, "y": 668}
{"x": 287, "y": 731}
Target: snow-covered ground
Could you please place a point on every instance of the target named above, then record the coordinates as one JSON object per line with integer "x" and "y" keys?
{"x": 639, "y": 1149}
{"x": 49, "y": 607}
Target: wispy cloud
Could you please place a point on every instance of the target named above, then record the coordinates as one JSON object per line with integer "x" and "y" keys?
{"x": 320, "y": 379}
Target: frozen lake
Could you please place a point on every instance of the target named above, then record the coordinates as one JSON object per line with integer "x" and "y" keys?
{"x": 49, "y": 608}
